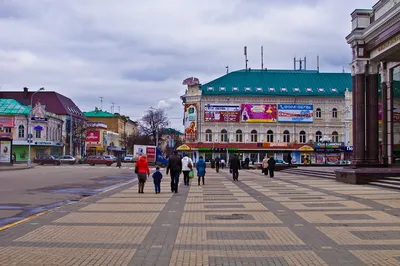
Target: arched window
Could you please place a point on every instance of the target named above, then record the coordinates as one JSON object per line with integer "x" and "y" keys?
{"x": 224, "y": 136}
{"x": 318, "y": 113}
{"x": 334, "y": 113}
{"x": 254, "y": 136}
{"x": 335, "y": 136}
{"x": 209, "y": 135}
{"x": 21, "y": 131}
{"x": 270, "y": 136}
{"x": 239, "y": 136}
{"x": 303, "y": 137}
{"x": 318, "y": 136}
{"x": 286, "y": 136}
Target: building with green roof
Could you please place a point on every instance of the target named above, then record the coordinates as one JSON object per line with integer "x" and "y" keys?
{"x": 260, "y": 112}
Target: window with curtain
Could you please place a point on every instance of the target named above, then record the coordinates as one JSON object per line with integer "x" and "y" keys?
{"x": 38, "y": 134}
{"x": 335, "y": 136}
{"x": 286, "y": 136}
{"x": 254, "y": 136}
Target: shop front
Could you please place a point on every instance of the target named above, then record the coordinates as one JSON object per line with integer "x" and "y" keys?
{"x": 38, "y": 148}
{"x": 307, "y": 155}
{"x": 329, "y": 153}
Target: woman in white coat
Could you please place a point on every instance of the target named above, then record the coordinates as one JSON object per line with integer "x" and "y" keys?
{"x": 187, "y": 166}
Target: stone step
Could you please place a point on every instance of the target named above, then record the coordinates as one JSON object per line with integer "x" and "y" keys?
{"x": 311, "y": 173}
{"x": 379, "y": 183}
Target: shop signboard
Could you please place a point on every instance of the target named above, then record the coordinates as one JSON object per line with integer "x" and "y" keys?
{"x": 259, "y": 113}
{"x": 295, "y": 113}
{"x": 190, "y": 121}
{"x": 276, "y": 145}
{"x": 5, "y": 151}
{"x": 6, "y": 121}
{"x": 221, "y": 113}
{"x": 349, "y": 149}
{"x": 93, "y": 136}
{"x": 330, "y": 147}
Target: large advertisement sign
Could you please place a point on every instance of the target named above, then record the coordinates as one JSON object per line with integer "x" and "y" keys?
{"x": 150, "y": 152}
{"x": 93, "y": 136}
{"x": 296, "y": 113}
{"x": 5, "y": 151}
{"x": 6, "y": 121}
{"x": 190, "y": 121}
{"x": 259, "y": 113}
{"x": 221, "y": 113}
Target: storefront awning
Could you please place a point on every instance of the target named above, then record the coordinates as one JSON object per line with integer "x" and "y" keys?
{"x": 184, "y": 147}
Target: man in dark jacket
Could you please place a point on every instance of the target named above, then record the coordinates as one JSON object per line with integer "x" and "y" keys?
{"x": 175, "y": 167}
{"x": 217, "y": 163}
{"x": 271, "y": 166}
{"x": 234, "y": 164}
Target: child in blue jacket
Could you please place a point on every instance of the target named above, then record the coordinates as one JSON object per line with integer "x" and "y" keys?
{"x": 157, "y": 176}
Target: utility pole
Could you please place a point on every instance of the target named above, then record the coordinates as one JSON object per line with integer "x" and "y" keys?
{"x": 245, "y": 57}
{"x": 262, "y": 57}
{"x": 112, "y": 107}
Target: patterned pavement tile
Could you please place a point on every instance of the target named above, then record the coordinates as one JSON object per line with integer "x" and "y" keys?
{"x": 234, "y": 257}
{"x": 108, "y": 218}
{"x": 363, "y": 235}
{"x": 379, "y": 196}
{"x": 134, "y": 200}
{"x": 325, "y": 205}
{"x": 34, "y": 256}
{"x": 225, "y": 206}
{"x": 122, "y": 207}
{"x": 357, "y": 217}
{"x": 86, "y": 234}
{"x": 378, "y": 257}
{"x": 391, "y": 203}
{"x": 306, "y": 198}
{"x": 237, "y": 236}
{"x": 234, "y": 217}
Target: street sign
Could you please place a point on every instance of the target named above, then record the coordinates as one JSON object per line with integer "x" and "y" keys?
{"x": 39, "y": 119}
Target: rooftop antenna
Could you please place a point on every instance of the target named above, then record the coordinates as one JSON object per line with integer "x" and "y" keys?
{"x": 343, "y": 71}
{"x": 305, "y": 63}
{"x": 119, "y": 109}
{"x": 112, "y": 107}
{"x": 262, "y": 57}
{"x": 101, "y": 101}
{"x": 245, "y": 56}
{"x": 318, "y": 63}
{"x": 300, "y": 61}
{"x": 227, "y": 69}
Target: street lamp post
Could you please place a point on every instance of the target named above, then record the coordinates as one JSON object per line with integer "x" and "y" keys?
{"x": 30, "y": 136}
{"x": 325, "y": 140}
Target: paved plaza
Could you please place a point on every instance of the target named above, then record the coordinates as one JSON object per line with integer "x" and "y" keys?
{"x": 288, "y": 220}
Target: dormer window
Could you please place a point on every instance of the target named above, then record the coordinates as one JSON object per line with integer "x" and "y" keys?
{"x": 309, "y": 90}
{"x": 334, "y": 90}
{"x": 259, "y": 89}
{"x": 321, "y": 90}
{"x": 247, "y": 89}
{"x": 284, "y": 90}
{"x": 271, "y": 89}
{"x": 296, "y": 90}
{"x": 235, "y": 89}
{"x": 210, "y": 89}
{"x": 222, "y": 89}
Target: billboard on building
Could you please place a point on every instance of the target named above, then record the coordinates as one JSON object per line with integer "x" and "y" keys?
{"x": 259, "y": 113}
{"x": 190, "y": 121}
{"x": 221, "y": 113}
{"x": 6, "y": 121}
{"x": 5, "y": 151}
{"x": 93, "y": 136}
{"x": 295, "y": 113}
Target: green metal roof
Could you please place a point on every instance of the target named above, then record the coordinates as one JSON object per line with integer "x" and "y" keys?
{"x": 279, "y": 83}
{"x": 12, "y": 107}
{"x": 171, "y": 131}
{"x": 98, "y": 113}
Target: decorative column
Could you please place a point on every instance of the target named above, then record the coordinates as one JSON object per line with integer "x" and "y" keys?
{"x": 358, "y": 79}
{"x": 384, "y": 81}
{"x": 372, "y": 128}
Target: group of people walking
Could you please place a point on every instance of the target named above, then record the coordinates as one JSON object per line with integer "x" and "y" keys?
{"x": 177, "y": 165}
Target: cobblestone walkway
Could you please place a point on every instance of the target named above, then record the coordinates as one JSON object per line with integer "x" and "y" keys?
{"x": 288, "y": 220}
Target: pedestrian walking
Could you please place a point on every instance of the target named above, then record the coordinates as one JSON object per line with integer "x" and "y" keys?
{"x": 13, "y": 158}
{"x": 222, "y": 163}
{"x": 271, "y": 166}
{"x": 119, "y": 162}
{"x": 234, "y": 165}
{"x": 175, "y": 168}
{"x": 289, "y": 158}
{"x": 217, "y": 164}
{"x": 157, "y": 176}
{"x": 187, "y": 166}
{"x": 143, "y": 170}
{"x": 265, "y": 165}
{"x": 201, "y": 169}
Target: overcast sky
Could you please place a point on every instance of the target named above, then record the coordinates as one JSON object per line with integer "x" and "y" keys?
{"x": 137, "y": 53}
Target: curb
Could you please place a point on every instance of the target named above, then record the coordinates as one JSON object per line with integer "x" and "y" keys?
{"x": 16, "y": 169}
{"x": 7, "y": 226}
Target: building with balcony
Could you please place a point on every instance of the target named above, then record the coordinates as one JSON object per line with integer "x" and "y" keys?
{"x": 375, "y": 44}
{"x": 255, "y": 113}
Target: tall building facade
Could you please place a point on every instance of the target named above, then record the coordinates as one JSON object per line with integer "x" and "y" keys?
{"x": 375, "y": 44}
{"x": 255, "y": 113}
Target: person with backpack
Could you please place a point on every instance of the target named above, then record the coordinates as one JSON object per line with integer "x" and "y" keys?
{"x": 157, "y": 176}
{"x": 187, "y": 166}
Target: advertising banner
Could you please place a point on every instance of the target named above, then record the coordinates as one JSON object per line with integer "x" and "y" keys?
{"x": 221, "y": 113}
{"x": 396, "y": 113}
{"x": 6, "y": 121}
{"x": 190, "y": 121}
{"x": 295, "y": 113}
{"x": 151, "y": 154}
{"x": 259, "y": 113}
{"x": 5, "y": 151}
{"x": 93, "y": 136}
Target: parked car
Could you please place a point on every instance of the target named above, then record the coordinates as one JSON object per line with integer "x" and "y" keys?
{"x": 67, "y": 159}
{"x": 281, "y": 162}
{"x": 47, "y": 159}
{"x": 110, "y": 157}
{"x": 93, "y": 160}
{"x": 128, "y": 158}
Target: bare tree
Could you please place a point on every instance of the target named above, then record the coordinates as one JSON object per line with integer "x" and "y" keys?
{"x": 155, "y": 120}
